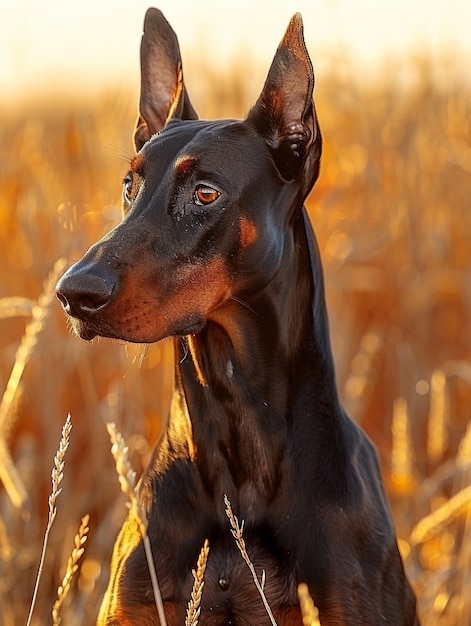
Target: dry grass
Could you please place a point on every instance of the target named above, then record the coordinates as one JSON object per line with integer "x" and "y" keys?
{"x": 127, "y": 480}
{"x": 72, "y": 566}
{"x": 57, "y": 475}
{"x": 308, "y": 608}
{"x": 237, "y": 530}
{"x": 392, "y": 214}
{"x": 194, "y": 604}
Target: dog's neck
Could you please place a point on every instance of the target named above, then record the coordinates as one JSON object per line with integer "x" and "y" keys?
{"x": 240, "y": 375}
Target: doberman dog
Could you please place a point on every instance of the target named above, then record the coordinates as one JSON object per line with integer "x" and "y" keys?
{"x": 215, "y": 249}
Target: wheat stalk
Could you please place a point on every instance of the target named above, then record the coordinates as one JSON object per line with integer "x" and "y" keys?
{"x": 8, "y": 474}
{"x": 401, "y": 452}
{"x": 194, "y": 605}
{"x": 463, "y": 457}
{"x": 72, "y": 566}
{"x": 438, "y": 416}
{"x": 15, "y": 306}
{"x": 57, "y": 475}
{"x": 237, "y": 531}
{"x": 10, "y": 478}
{"x": 127, "y": 481}
{"x": 309, "y": 611}
{"x": 433, "y": 523}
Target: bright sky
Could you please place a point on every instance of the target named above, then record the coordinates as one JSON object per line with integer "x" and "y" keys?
{"x": 79, "y": 44}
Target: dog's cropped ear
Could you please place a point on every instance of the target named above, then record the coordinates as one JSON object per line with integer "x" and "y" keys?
{"x": 163, "y": 94}
{"x": 284, "y": 113}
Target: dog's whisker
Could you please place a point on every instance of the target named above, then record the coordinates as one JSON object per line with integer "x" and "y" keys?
{"x": 184, "y": 345}
{"x": 124, "y": 156}
{"x": 143, "y": 354}
{"x": 244, "y": 304}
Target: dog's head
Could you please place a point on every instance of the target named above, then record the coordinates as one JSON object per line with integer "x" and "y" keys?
{"x": 207, "y": 206}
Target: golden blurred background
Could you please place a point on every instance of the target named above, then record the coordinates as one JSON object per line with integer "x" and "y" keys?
{"x": 391, "y": 211}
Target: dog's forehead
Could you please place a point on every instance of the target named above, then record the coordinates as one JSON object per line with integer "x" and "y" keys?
{"x": 186, "y": 141}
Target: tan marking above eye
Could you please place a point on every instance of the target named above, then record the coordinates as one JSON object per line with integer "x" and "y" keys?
{"x": 138, "y": 165}
{"x": 205, "y": 195}
{"x": 184, "y": 165}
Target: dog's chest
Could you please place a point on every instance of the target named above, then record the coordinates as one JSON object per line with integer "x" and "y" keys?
{"x": 230, "y": 594}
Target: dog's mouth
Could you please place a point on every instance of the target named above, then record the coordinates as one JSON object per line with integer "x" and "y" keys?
{"x": 190, "y": 329}
{"x": 88, "y": 330}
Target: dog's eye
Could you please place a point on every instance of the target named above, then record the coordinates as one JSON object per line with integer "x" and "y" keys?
{"x": 127, "y": 187}
{"x": 205, "y": 195}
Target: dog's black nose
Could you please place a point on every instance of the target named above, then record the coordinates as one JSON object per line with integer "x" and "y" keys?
{"x": 82, "y": 294}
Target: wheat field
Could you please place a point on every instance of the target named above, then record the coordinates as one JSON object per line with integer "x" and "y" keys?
{"x": 391, "y": 211}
